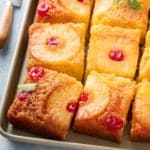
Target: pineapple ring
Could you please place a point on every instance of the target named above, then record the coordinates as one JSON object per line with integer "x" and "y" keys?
{"x": 69, "y": 47}
{"x": 102, "y": 6}
{"x": 100, "y": 98}
{"x": 74, "y": 5}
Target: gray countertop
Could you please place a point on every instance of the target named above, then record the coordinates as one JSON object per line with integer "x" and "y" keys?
{"x": 5, "y": 61}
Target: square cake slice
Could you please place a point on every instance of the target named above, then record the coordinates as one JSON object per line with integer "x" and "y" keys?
{"x": 144, "y": 68}
{"x": 45, "y": 103}
{"x": 58, "y": 47}
{"x": 140, "y": 130}
{"x": 147, "y": 41}
{"x": 104, "y": 105}
{"x": 113, "y": 50}
{"x": 62, "y": 11}
{"x": 122, "y": 14}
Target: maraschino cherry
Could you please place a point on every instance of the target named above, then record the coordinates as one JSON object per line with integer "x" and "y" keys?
{"x": 53, "y": 41}
{"x": 36, "y": 73}
{"x": 113, "y": 122}
{"x": 116, "y": 55}
{"x": 23, "y": 96}
{"x": 72, "y": 107}
{"x": 43, "y": 9}
{"x": 83, "y": 97}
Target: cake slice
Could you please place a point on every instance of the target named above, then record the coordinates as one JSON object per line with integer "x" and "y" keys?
{"x": 140, "y": 130}
{"x": 147, "y": 41}
{"x": 58, "y": 47}
{"x": 62, "y": 11}
{"x": 122, "y": 13}
{"x": 45, "y": 103}
{"x": 144, "y": 68}
{"x": 104, "y": 105}
{"x": 113, "y": 50}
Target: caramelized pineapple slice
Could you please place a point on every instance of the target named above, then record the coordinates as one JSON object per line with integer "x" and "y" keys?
{"x": 46, "y": 51}
{"x": 47, "y": 109}
{"x": 58, "y": 46}
{"x": 63, "y": 11}
{"x": 98, "y": 99}
{"x": 80, "y": 9}
{"x": 104, "y": 105}
{"x": 113, "y": 50}
{"x": 77, "y": 6}
{"x": 121, "y": 14}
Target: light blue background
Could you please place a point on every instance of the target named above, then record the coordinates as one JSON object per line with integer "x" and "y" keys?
{"x": 5, "y": 61}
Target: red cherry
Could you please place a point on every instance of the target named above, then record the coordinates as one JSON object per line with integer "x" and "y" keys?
{"x": 84, "y": 97}
{"x": 83, "y": 1}
{"x": 53, "y": 41}
{"x": 23, "y": 96}
{"x": 113, "y": 122}
{"x": 72, "y": 107}
{"x": 43, "y": 9}
{"x": 36, "y": 73}
{"x": 116, "y": 55}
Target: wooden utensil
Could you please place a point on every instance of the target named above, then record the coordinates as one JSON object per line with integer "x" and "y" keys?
{"x": 6, "y": 20}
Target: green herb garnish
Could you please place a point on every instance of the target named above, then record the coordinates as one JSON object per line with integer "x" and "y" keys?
{"x": 135, "y": 4}
{"x": 119, "y": 1}
{"x": 27, "y": 87}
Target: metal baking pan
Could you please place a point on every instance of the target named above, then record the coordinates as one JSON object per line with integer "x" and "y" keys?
{"x": 73, "y": 140}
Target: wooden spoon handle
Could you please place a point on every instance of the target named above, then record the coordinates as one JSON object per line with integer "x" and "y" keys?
{"x": 5, "y": 23}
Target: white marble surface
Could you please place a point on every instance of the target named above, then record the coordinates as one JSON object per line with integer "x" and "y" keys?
{"x": 5, "y": 61}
